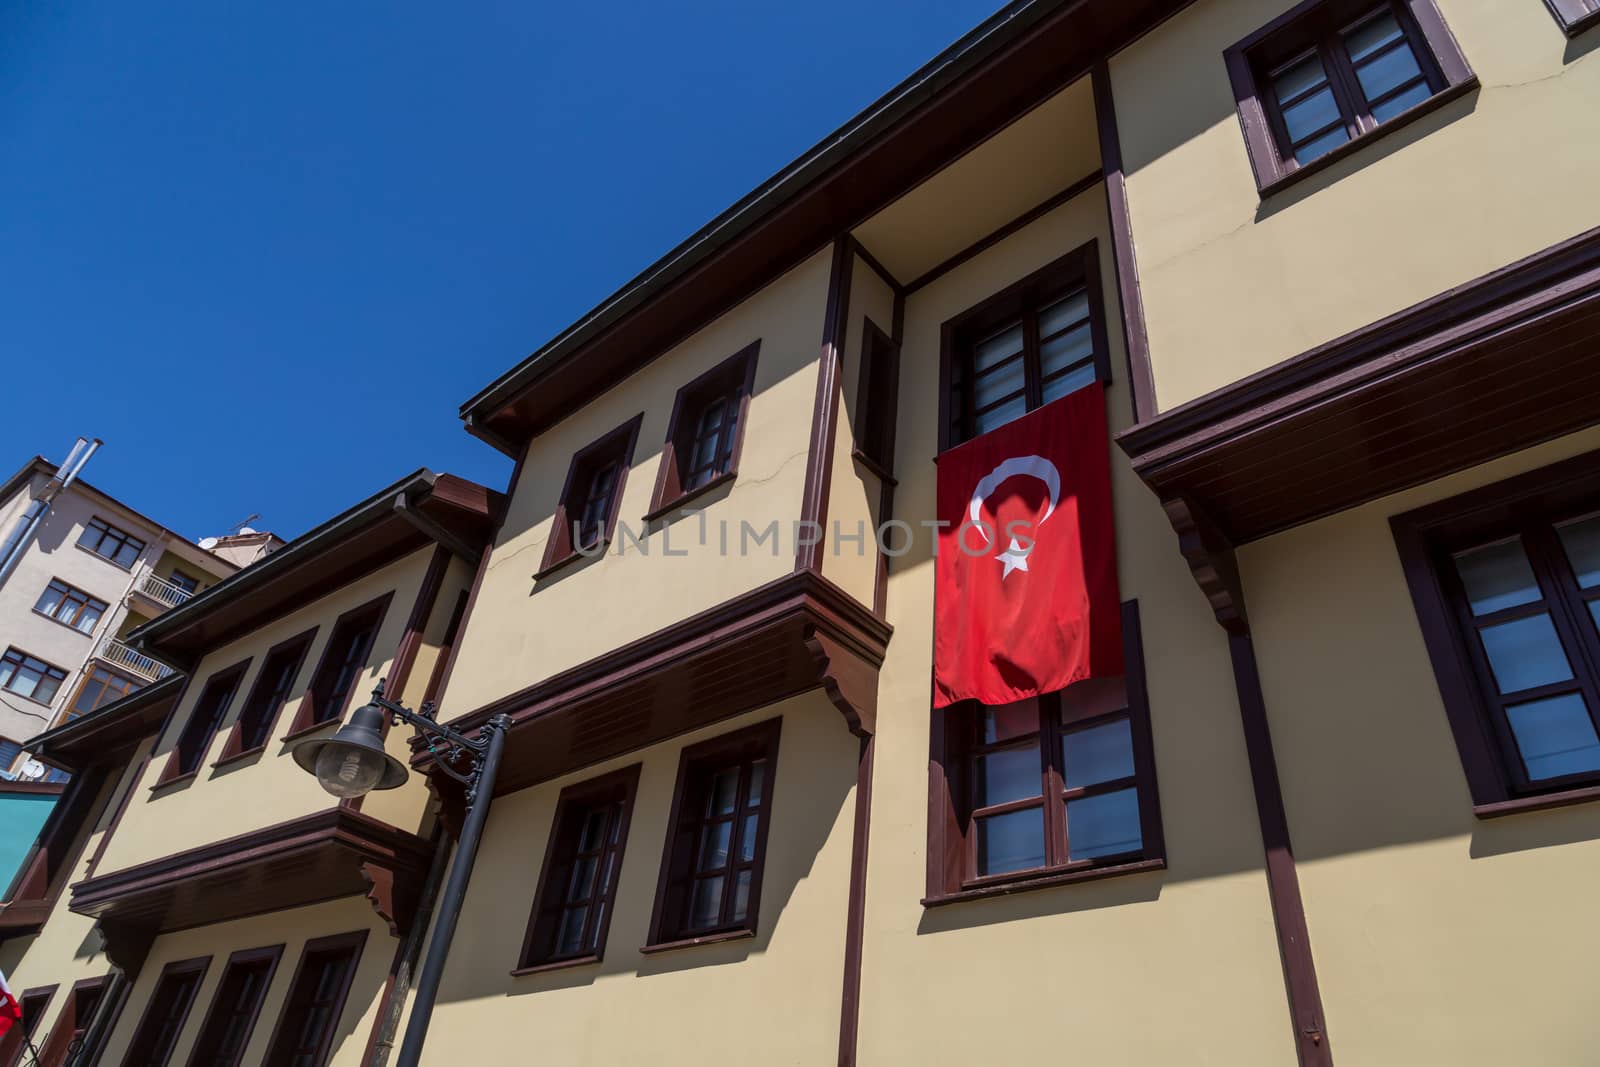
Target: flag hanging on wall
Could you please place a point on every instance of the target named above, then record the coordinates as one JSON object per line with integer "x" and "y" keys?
{"x": 10, "y": 1010}
{"x": 1025, "y": 587}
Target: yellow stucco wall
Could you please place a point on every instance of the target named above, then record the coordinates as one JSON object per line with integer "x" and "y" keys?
{"x": 1439, "y": 938}
{"x": 1178, "y": 966}
{"x": 1232, "y": 284}
{"x": 520, "y": 632}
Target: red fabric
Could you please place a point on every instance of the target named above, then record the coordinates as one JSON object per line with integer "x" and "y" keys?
{"x": 1055, "y": 617}
{"x": 10, "y": 1010}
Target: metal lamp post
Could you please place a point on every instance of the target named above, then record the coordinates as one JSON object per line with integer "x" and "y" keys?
{"x": 353, "y": 762}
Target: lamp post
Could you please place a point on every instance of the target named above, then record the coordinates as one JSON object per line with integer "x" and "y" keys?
{"x": 353, "y": 762}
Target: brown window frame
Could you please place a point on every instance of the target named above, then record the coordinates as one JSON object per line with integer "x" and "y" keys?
{"x": 951, "y": 864}
{"x": 105, "y": 531}
{"x": 19, "y": 659}
{"x": 1022, "y": 299}
{"x": 77, "y": 1012}
{"x": 94, "y": 668}
{"x": 1575, "y": 16}
{"x": 352, "y": 942}
{"x": 669, "y": 926}
{"x": 34, "y": 1003}
{"x": 266, "y": 700}
{"x": 619, "y": 789}
{"x": 81, "y": 599}
{"x": 319, "y": 706}
{"x": 734, "y": 380}
{"x": 1316, "y": 24}
{"x": 212, "y": 1028}
{"x": 616, "y": 448}
{"x": 193, "y": 742}
{"x": 877, "y": 401}
{"x": 1425, "y": 539}
{"x": 178, "y": 970}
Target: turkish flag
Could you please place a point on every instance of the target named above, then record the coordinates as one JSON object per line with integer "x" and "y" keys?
{"x": 10, "y": 1010}
{"x": 1025, "y": 586}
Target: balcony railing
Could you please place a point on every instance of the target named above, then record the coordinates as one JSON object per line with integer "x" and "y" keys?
{"x": 121, "y": 656}
{"x": 163, "y": 591}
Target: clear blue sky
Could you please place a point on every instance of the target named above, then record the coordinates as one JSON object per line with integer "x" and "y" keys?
{"x": 264, "y": 251}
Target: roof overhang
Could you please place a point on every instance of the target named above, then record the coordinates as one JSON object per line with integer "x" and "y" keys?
{"x": 109, "y": 732}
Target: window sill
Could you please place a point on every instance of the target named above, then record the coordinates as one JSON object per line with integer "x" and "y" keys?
{"x": 1543, "y": 802}
{"x": 692, "y": 942}
{"x": 105, "y": 559}
{"x": 556, "y": 965}
{"x": 34, "y": 700}
{"x": 230, "y": 758}
{"x": 67, "y": 625}
{"x": 570, "y": 558}
{"x": 1350, "y": 148}
{"x": 1578, "y": 25}
{"x": 1045, "y": 881}
{"x": 177, "y": 779}
{"x": 667, "y": 507}
{"x": 298, "y": 732}
{"x": 873, "y": 467}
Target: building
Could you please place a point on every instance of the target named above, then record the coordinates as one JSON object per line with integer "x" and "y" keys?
{"x": 1340, "y": 808}
{"x": 87, "y": 573}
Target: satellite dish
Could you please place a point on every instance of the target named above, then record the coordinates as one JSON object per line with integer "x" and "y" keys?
{"x": 32, "y": 770}
{"x": 246, "y": 530}
{"x": 208, "y": 543}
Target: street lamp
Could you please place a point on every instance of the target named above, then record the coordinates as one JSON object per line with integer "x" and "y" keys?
{"x": 353, "y": 762}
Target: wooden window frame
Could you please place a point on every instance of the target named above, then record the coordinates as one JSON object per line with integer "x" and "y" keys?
{"x": 204, "y": 732}
{"x": 1424, "y": 538}
{"x": 1078, "y": 269}
{"x": 270, "y": 955}
{"x": 560, "y": 851}
{"x": 877, "y": 396}
{"x": 72, "y": 594}
{"x": 615, "y": 447}
{"x": 108, "y": 531}
{"x": 951, "y": 874}
{"x": 33, "y": 1002}
{"x": 734, "y": 377}
{"x": 51, "y": 671}
{"x": 1309, "y": 26}
{"x": 88, "y": 676}
{"x": 236, "y": 748}
{"x": 760, "y": 741}
{"x": 354, "y": 942}
{"x": 196, "y": 966}
{"x": 68, "y": 1025}
{"x": 309, "y": 716}
{"x": 1574, "y": 16}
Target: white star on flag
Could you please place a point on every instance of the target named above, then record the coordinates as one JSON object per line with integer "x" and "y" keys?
{"x": 1014, "y": 558}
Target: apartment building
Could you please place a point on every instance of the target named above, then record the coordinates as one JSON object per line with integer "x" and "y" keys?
{"x": 1328, "y": 275}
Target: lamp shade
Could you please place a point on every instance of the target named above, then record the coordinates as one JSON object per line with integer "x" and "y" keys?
{"x": 352, "y": 762}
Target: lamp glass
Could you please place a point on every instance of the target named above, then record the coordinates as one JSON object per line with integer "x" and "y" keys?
{"x": 349, "y": 770}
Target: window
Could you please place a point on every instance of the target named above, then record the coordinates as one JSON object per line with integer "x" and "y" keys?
{"x": 234, "y": 1009}
{"x": 14, "y": 1042}
{"x": 721, "y": 811}
{"x": 117, "y": 545}
{"x": 1575, "y": 16}
{"x": 1329, "y": 73}
{"x": 101, "y": 686}
{"x": 1047, "y": 790}
{"x": 207, "y": 714}
{"x": 163, "y": 1019}
{"x": 304, "y": 1037}
{"x": 1507, "y": 585}
{"x": 70, "y": 605}
{"x": 343, "y": 659}
{"x": 187, "y": 583}
{"x": 877, "y": 397}
{"x": 705, "y": 432}
{"x": 271, "y": 691}
{"x": 587, "y": 511}
{"x": 572, "y": 910}
{"x": 1035, "y": 342}
{"x": 9, "y": 751}
{"x": 28, "y": 677}
{"x": 77, "y": 1013}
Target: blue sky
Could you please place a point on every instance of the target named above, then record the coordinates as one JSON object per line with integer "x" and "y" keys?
{"x": 265, "y": 251}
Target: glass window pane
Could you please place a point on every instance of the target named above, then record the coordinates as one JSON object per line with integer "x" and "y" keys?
{"x": 50, "y": 600}
{"x": 705, "y": 907}
{"x": 999, "y": 347}
{"x": 1000, "y": 382}
{"x": 724, "y": 792}
{"x": 127, "y": 554}
{"x": 1298, "y": 78}
{"x": 1311, "y": 114}
{"x": 1497, "y": 576}
{"x": 1063, "y": 351}
{"x": 1321, "y": 146}
{"x": 1068, "y": 383}
{"x": 714, "y": 846}
{"x": 1008, "y": 721}
{"x": 1011, "y": 842}
{"x": 1063, "y": 313}
{"x": 1099, "y": 754}
{"x": 1387, "y": 72}
{"x": 758, "y": 782}
{"x": 1581, "y": 539}
{"x": 582, "y": 884}
{"x": 594, "y": 828}
{"x": 1013, "y": 774}
{"x": 86, "y": 621}
{"x": 569, "y": 938}
{"x": 1525, "y": 653}
{"x": 1371, "y": 36}
{"x": 1556, "y": 736}
{"x": 1001, "y": 415}
{"x": 741, "y": 895}
{"x": 1401, "y": 101}
{"x": 747, "y": 838}
{"x": 1104, "y": 825}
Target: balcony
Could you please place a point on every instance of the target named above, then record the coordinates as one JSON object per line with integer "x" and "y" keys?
{"x": 126, "y": 659}
{"x": 159, "y": 592}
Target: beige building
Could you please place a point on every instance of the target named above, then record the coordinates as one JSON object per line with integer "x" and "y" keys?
{"x": 1340, "y": 808}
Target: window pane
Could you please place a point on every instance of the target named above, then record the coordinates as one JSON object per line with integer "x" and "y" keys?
{"x": 1000, "y": 382}
{"x": 706, "y": 906}
{"x": 1497, "y": 576}
{"x": 714, "y": 846}
{"x": 1297, "y": 79}
{"x": 758, "y": 780}
{"x": 51, "y": 599}
{"x": 1099, "y": 754}
{"x": 724, "y": 792}
{"x": 1064, "y": 313}
{"x": 1371, "y": 36}
{"x": 1068, "y": 383}
{"x": 1582, "y": 542}
{"x": 1001, "y": 346}
{"x": 127, "y": 554}
{"x": 1320, "y": 146}
{"x": 91, "y": 615}
{"x": 570, "y": 936}
{"x": 741, "y": 896}
{"x": 1387, "y": 72}
{"x": 1011, "y": 842}
{"x": 1525, "y": 653}
{"x": 1555, "y": 735}
{"x": 1399, "y": 102}
{"x": 583, "y": 879}
{"x": 1061, "y": 352}
{"x": 1014, "y": 774}
{"x": 747, "y": 838}
{"x": 1104, "y": 825}
{"x": 1001, "y": 415}
{"x": 1314, "y": 113}
{"x": 594, "y": 828}
{"x": 1008, "y": 721}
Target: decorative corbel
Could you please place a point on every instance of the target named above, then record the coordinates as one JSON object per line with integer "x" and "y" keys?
{"x": 1209, "y": 553}
{"x": 126, "y": 945}
{"x": 849, "y": 681}
{"x": 396, "y": 906}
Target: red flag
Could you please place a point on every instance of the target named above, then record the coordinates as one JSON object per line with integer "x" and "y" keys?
{"x": 10, "y": 1010}
{"x": 1025, "y": 588}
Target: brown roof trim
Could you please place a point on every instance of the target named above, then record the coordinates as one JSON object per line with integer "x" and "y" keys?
{"x": 108, "y": 730}
{"x": 992, "y": 75}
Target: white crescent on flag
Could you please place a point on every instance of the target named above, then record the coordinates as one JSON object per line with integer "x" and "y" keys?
{"x": 1015, "y": 558}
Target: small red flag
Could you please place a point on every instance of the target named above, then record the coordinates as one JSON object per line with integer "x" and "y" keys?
{"x": 10, "y": 1010}
{"x": 1025, "y": 587}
